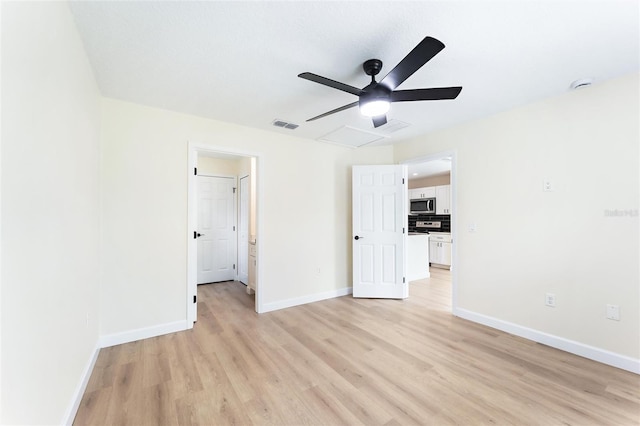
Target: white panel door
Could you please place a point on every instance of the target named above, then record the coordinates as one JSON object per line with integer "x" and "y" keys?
{"x": 243, "y": 232}
{"x": 379, "y": 225}
{"x": 216, "y": 229}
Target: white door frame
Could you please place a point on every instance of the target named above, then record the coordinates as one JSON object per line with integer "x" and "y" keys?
{"x": 454, "y": 218}
{"x": 192, "y": 221}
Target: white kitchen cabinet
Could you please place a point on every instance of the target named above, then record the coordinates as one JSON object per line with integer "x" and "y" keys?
{"x": 427, "y": 192}
{"x": 443, "y": 199}
{"x": 440, "y": 250}
{"x": 417, "y": 257}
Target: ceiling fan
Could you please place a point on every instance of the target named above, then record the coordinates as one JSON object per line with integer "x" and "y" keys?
{"x": 374, "y": 99}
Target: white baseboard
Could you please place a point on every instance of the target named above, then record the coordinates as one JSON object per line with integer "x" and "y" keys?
{"x": 296, "y": 301}
{"x": 70, "y": 414}
{"x": 591, "y": 352}
{"x": 142, "y": 333}
{"x": 112, "y": 340}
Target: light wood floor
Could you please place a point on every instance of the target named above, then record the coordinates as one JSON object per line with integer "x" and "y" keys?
{"x": 350, "y": 361}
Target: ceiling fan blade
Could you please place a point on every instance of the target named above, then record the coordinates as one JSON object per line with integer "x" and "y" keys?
{"x": 420, "y": 55}
{"x": 331, "y": 83}
{"x": 432, "y": 94}
{"x": 380, "y": 120}
{"x": 333, "y": 111}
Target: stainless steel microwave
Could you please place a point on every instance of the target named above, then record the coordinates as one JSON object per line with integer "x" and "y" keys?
{"x": 423, "y": 206}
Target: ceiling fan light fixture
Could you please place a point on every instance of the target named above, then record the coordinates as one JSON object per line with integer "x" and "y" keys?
{"x": 374, "y": 108}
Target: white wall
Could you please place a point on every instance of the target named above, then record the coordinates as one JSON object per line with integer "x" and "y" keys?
{"x": 529, "y": 242}
{"x": 306, "y": 211}
{"x": 50, "y": 212}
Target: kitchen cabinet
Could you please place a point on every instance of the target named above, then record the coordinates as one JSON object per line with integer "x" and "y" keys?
{"x": 440, "y": 250}
{"x": 417, "y": 257}
{"x": 443, "y": 199}
{"x": 427, "y": 192}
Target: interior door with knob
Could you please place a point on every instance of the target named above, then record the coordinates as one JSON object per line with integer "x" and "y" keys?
{"x": 380, "y": 224}
{"x": 216, "y": 229}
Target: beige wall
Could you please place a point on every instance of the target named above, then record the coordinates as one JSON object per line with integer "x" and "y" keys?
{"x": 430, "y": 181}
{"x": 50, "y": 213}
{"x": 529, "y": 242}
{"x": 228, "y": 167}
{"x": 145, "y": 211}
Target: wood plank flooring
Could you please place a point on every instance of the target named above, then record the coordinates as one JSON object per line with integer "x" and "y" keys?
{"x": 350, "y": 361}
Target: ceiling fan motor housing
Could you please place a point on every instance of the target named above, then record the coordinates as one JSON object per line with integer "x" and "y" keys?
{"x": 374, "y": 92}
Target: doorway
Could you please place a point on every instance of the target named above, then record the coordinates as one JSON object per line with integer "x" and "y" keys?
{"x": 439, "y": 170}
{"x": 250, "y": 168}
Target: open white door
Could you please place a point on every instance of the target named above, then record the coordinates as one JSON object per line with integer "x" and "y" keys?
{"x": 379, "y": 225}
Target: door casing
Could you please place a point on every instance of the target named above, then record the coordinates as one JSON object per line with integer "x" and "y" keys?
{"x": 194, "y": 148}
{"x": 454, "y": 218}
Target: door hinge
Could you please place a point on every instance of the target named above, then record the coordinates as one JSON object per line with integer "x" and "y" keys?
{"x": 403, "y": 280}
{"x": 234, "y": 266}
{"x": 403, "y": 230}
{"x": 234, "y": 228}
{"x": 195, "y": 298}
{"x": 403, "y": 181}
{"x": 234, "y": 190}
{"x": 195, "y": 171}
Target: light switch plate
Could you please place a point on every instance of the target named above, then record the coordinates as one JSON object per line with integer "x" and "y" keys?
{"x": 613, "y": 312}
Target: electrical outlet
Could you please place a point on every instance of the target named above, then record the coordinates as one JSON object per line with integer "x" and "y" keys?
{"x": 472, "y": 227}
{"x": 550, "y": 300}
{"x": 613, "y": 312}
{"x": 548, "y": 186}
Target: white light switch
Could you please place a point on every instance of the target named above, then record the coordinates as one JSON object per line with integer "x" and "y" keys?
{"x": 472, "y": 227}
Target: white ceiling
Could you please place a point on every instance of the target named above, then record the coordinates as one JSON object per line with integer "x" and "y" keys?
{"x": 238, "y": 61}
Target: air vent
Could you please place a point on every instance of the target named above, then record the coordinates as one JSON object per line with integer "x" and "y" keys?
{"x": 284, "y": 124}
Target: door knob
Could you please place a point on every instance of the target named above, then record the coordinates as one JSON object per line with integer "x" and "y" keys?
{"x": 198, "y": 234}
{"x": 357, "y": 237}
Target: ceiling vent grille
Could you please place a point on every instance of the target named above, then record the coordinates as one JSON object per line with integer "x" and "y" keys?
{"x": 284, "y": 124}
{"x": 351, "y": 137}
